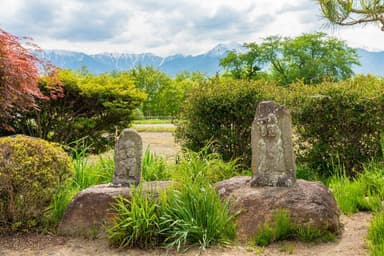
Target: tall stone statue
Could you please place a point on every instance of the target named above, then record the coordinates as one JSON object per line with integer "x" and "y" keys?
{"x": 273, "y": 162}
{"x": 128, "y": 152}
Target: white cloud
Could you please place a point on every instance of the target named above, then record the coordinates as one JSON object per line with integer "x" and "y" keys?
{"x": 167, "y": 27}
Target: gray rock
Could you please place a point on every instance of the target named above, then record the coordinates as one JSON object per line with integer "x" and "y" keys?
{"x": 273, "y": 162}
{"x": 309, "y": 204}
{"x": 92, "y": 208}
{"x": 128, "y": 152}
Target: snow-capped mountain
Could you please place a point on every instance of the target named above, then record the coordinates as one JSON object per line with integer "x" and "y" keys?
{"x": 208, "y": 63}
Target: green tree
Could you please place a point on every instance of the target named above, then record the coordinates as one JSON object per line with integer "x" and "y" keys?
{"x": 244, "y": 65}
{"x": 152, "y": 82}
{"x": 311, "y": 58}
{"x": 350, "y": 12}
{"x": 172, "y": 96}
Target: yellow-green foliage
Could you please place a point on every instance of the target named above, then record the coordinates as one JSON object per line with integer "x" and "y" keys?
{"x": 31, "y": 170}
{"x": 92, "y": 107}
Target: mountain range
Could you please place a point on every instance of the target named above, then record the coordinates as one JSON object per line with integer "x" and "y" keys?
{"x": 208, "y": 62}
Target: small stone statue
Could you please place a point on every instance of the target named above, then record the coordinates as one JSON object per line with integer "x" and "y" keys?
{"x": 273, "y": 161}
{"x": 128, "y": 152}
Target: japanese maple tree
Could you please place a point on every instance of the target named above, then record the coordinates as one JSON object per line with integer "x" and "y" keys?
{"x": 19, "y": 75}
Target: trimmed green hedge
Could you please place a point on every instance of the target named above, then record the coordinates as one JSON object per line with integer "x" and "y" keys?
{"x": 339, "y": 123}
{"x": 220, "y": 113}
{"x": 334, "y": 122}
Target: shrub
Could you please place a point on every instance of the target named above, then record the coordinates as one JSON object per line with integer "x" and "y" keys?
{"x": 221, "y": 112}
{"x": 94, "y": 107}
{"x": 31, "y": 170}
{"x": 340, "y": 121}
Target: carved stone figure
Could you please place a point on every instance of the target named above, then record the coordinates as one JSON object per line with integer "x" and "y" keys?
{"x": 128, "y": 152}
{"x": 273, "y": 161}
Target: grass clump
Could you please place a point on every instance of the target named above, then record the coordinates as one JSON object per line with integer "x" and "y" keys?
{"x": 182, "y": 216}
{"x": 282, "y": 228}
{"x": 203, "y": 167}
{"x": 308, "y": 233}
{"x": 84, "y": 175}
{"x": 186, "y": 214}
{"x": 362, "y": 193}
{"x": 137, "y": 222}
{"x": 195, "y": 215}
{"x": 279, "y": 230}
{"x": 376, "y": 235}
{"x": 154, "y": 167}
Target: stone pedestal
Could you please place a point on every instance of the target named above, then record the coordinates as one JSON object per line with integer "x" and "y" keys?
{"x": 92, "y": 208}
{"x": 309, "y": 204}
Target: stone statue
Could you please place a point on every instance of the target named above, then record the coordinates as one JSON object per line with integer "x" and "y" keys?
{"x": 128, "y": 152}
{"x": 273, "y": 161}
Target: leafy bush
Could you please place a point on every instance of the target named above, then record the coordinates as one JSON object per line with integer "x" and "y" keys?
{"x": 93, "y": 107}
{"x": 221, "y": 112}
{"x": 339, "y": 121}
{"x": 31, "y": 170}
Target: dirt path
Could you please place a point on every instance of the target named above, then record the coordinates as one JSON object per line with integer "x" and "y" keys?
{"x": 161, "y": 143}
{"x": 351, "y": 243}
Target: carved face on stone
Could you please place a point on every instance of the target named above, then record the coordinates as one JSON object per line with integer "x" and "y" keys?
{"x": 263, "y": 130}
{"x": 272, "y": 125}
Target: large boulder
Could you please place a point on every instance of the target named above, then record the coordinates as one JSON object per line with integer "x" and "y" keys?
{"x": 92, "y": 209}
{"x": 309, "y": 203}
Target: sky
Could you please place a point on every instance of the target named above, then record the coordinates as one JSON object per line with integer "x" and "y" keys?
{"x": 167, "y": 27}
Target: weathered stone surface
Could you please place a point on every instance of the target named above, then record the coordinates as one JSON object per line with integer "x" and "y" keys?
{"x": 128, "y": 152}
{"x": 93, "y": 207}
{"x": 309, "y": 203}
{"x": 273, "y": 162}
